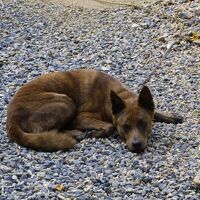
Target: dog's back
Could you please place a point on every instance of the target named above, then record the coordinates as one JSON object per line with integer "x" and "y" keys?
{"x": 88, "y": 89}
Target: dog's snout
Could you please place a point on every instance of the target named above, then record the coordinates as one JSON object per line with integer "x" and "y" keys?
{"x": 137, "y": 145}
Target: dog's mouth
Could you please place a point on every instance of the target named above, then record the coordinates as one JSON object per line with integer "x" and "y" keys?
{"x": 137, "y": 151}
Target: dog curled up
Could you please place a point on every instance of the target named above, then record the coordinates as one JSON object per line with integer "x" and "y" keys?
{"x": 54, "y": 111}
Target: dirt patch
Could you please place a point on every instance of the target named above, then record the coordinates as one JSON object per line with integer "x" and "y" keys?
{"x": 100, "y": 4}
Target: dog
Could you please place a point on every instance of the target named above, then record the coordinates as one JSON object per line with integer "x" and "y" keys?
{"x": 55, "y": 111}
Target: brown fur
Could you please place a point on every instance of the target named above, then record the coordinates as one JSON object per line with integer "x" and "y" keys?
{"x": 52, "y": 112}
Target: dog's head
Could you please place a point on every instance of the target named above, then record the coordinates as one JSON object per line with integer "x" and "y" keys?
{"x": 133, "y": 119}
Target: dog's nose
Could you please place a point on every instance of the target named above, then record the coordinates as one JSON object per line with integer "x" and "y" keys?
{"x": 137, "y": 145}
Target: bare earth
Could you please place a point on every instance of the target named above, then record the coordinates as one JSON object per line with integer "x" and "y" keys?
{"x": 100, "y": 4}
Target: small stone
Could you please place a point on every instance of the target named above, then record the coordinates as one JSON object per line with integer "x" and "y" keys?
{"x": 129, "y": 189}
{"x": 197, "y": 11}
{"x": 14, "y": 177}
{"x": 105, "y": 68}
{"x": 196, "y": 42}
{"x": 162, "y": 38}
{"x": 196, "y": 179}
{"x": 162, "y": 186}
{"x": 183, "y": 15}
{"x": 134, "y": 25}
{"x": 5, "y": 169}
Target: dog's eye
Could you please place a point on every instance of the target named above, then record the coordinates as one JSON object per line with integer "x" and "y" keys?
{"x": 126, "y": 127}
{"x": 142, "y": 125}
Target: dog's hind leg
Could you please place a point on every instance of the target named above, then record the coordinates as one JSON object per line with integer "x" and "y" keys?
{"x": 167, "y": 118}
{"x": 39, "y": 126}
{"x": 53, "y": 113}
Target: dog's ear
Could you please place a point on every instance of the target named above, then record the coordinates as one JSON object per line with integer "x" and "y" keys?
{"x": 116, "y": 103}
{"x": 145, "y": 99}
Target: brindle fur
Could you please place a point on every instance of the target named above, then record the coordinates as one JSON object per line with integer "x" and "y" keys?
{"x": 53, "y": 111}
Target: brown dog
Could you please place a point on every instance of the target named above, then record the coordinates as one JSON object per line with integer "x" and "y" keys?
{"x": 51, "y": 112}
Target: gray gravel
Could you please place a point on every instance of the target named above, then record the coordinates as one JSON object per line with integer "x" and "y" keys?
{"x": 36, "y": 38}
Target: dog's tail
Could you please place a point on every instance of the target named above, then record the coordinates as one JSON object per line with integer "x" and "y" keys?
{"x": 46, "y": 141}
{"x": 167, "y": 118}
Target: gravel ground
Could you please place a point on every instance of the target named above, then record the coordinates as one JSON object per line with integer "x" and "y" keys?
{"x": 128, "y": 43}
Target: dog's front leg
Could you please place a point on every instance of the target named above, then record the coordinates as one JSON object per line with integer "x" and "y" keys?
{"x": 97, "y": 128}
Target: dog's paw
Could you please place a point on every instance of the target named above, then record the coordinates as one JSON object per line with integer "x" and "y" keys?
{"x": 102, "y": 133}
{"x": 77, "y": 135}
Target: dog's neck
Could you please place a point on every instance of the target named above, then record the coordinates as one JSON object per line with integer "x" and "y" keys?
{"x": 128, "y": 96}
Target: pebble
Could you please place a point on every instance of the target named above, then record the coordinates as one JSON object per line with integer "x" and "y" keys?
{"x": 183, "y": 15}
{"x": 197, "y": 179}
{"x": 197, "y": 11}
{"x": 38, "y": 37}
